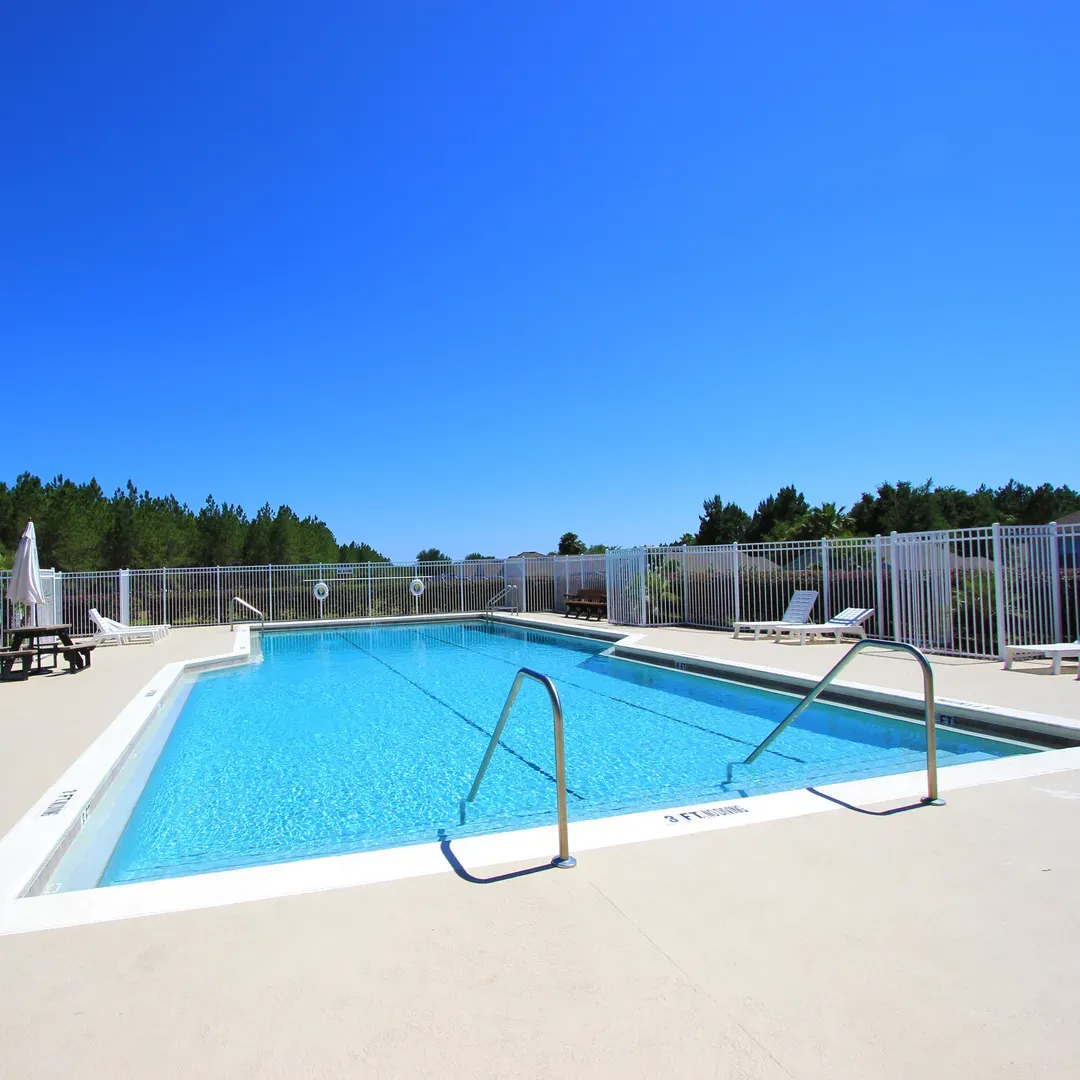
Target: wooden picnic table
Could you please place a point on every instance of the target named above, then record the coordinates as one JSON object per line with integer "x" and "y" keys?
{"x": 18, "y": 634}
{"x": 23, "y": 640}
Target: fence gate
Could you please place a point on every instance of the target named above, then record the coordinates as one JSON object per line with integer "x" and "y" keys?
{"x": 626, "y": 571}
{"x": 692, "y": 586}
{"x": 922, "y": 591}
{"x": 1067, "y": 543}
{"x": 1029, "y": 603}
{"x": 711, "y": 585}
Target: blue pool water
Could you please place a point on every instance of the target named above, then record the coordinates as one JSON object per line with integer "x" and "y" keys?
{"x": 356, "y": 739}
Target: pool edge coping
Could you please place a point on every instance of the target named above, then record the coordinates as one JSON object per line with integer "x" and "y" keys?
{"x": 41, "y": 835}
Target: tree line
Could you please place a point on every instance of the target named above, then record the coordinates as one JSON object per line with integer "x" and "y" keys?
{"x": 79, "y": 527}
{"x": 901, "y": 507}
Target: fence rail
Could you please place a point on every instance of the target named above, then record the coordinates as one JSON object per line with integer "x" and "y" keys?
{"x": 963, "y": 592}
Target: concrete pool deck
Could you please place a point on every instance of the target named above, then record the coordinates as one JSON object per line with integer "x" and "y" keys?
{"x": 844, "y": 944}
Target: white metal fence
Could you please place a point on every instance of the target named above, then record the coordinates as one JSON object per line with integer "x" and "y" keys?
{"x": 712, "y": 586}
{"x": 965, "y": 592}
{"x": 201, "y": 596}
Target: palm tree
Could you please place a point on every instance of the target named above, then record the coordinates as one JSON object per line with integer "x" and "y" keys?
{"x": 824, "y": 522}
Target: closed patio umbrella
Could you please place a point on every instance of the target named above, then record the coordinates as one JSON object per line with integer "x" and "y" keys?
{"x": 25, "y": 584}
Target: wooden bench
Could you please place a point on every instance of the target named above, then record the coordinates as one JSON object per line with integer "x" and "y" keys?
{"x": 587, "y": 602}
{"x": 10, "y": 657}
{"x": 77, "y": 654}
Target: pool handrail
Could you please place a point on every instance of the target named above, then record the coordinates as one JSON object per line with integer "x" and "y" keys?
{"x": 494, "y": 605}
{"x": 564, "y": 859}
{"x": 250, "y": 607}
{"x": 928, "y": 697}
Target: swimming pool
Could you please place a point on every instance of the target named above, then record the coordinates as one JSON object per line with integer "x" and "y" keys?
{"x": 356, "y": 739}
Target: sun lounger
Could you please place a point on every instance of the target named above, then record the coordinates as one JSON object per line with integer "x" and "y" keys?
{"x": 798, "y": 611}
{"x": 1056, "y": 653}
{"x": 109, "y": 631}
{"x": 848, "y": 621}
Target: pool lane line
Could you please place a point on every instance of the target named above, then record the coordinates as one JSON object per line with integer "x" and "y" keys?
{"x": 632, "y": 704}
{"x": 446, "y": 705}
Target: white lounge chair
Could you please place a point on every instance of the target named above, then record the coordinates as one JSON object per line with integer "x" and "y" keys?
{"x": 109, "y": 631}
{"x": 798, "y": 611}
{"x": 848, "y": 621}
{"x": 1062, "y": 650}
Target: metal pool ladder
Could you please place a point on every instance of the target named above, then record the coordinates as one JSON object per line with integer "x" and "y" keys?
{"x": 494, "y": 605}
{"x": 564, "y": 859}
{"x": 928, "y": 695}
{"x": 250, "y": 607}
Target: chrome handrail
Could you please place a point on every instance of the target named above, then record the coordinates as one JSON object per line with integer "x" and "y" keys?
{"x": 493, "y": 604}
{"x": 250, "y": 607}
{"x": 564, "y": 859}
{"x": 928, "y": 695}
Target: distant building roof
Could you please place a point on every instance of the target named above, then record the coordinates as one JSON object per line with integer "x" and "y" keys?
{"x": 1070, "y": 519}
{"x": 528, "y": 555}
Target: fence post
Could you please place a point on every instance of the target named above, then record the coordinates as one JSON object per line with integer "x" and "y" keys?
{"x": 369, "y": 590}
{"x": 894, "y": 561}
{"x": 58, "y": 596}
{"x": 999, "y": 589}
{"x": 685, "y": 578}
{"x": 738, "y": 583}
{"x": 165, "y": 595}
{"x": 879, "y": 592}
{"x": 825, "y": 577}
{"x": 644, "y": 587}
{"x": 218, "y": 594}
{"x": 461, "y": 582}
{"x": 1055, "y": 581}
{"x": 270, "y": 589}
{"x": 125, "y": 596}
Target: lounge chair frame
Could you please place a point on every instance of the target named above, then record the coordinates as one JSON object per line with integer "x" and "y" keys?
{"x": 849, "y": 621}
{"x": 1056, "y": 652}
{"x": 109, "y": 631}
{"x": 798, "y": 610}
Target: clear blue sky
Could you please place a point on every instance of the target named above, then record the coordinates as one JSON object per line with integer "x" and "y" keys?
{"x": 472, "y": 274}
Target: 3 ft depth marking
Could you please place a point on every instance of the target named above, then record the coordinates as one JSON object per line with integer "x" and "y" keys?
{"x": 708, "y": 812}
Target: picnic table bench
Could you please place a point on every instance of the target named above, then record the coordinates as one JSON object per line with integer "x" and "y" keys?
{"x": 9, "y": 658}
{"x": 26, "y": 644}
{"x": 587, "y": 602}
